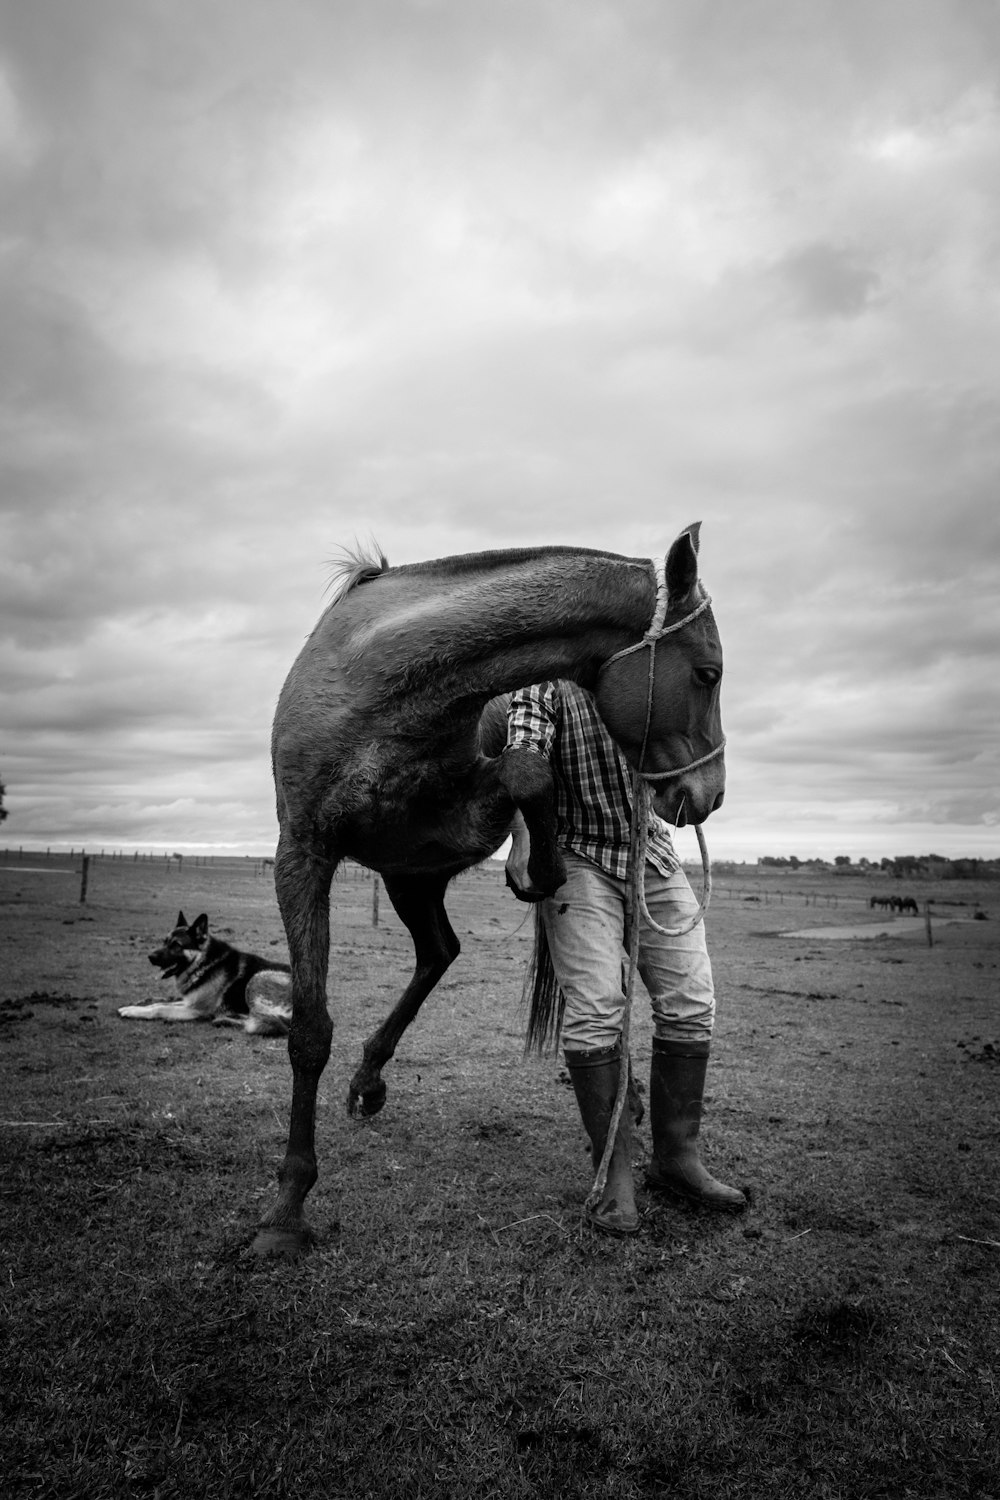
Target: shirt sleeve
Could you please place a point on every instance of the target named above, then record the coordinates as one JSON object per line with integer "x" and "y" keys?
{"x": 532, "y": 718}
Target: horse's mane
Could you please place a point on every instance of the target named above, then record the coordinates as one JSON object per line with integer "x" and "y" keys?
{"x": 355, "y": 565}
{"x": 485, "y": 562}
{"x": 364, "y": 561}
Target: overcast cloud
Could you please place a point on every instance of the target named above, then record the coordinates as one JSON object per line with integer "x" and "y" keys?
{"x": 465, "y": 275}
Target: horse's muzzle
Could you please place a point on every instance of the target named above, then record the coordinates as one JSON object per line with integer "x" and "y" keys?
{"x": 681, "y": 805}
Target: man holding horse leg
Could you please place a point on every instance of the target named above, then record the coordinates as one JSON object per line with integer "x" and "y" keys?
{"x": 584, "y": 926}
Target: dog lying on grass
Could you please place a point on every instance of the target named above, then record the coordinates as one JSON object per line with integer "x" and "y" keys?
{"x": 218, "y": 983}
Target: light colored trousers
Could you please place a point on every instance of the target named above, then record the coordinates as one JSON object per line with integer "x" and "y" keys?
{"x": 585, "y": 927}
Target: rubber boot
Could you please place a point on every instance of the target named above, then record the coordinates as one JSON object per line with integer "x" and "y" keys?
{"x": 594, "y": 1074}
{"x": 676, "y": 1088}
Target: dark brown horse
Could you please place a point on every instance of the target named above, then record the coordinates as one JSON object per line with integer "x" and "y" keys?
{"x": 386, "y": 750}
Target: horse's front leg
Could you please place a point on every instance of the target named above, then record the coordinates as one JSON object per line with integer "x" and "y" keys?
{"x": 302, "y": 882}
{"x": 419, "y": 903}
{"x": 527, "y": 778}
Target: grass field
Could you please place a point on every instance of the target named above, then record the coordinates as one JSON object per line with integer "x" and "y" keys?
{"x": 458, "y": 1332}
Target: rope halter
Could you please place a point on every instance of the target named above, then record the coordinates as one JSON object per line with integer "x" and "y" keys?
{"x": 655, "y": 631}
{"x": 641, "y": 779}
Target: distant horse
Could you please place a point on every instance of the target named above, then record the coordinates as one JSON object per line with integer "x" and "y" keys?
{"x": 909, "y": 904}
{"x": 386, "y": 749}
{"x": 882, "y": 901}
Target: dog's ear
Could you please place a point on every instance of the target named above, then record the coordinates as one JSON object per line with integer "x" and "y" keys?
{"x": 180, "y": 920}
{"x": 200, "y": 927}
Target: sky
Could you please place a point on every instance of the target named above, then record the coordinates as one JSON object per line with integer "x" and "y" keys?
{"x": 468, "y": 274}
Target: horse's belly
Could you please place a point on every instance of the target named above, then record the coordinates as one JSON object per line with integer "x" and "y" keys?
{"x": 417, "y": 811}
{"x": 407, "y": 844}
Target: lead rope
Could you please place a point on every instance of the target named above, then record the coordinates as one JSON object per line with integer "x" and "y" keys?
{"x": 638, "y": 839}
{"x": 635, "y": 901}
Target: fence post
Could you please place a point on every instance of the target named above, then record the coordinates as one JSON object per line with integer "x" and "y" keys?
{"x": 375, "y": 885}
{"x": 927, "y": 924}
{"x": 84, "y": 873}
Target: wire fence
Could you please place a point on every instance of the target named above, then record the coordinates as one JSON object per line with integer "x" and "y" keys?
{"x": 87, "y": 864}
{"x": 23, "y": 871}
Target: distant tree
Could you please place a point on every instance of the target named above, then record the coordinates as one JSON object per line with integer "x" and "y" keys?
{"x": 843, "y": 859}
{"x": 794, "y": 861}
{"x": 906, "y": 865}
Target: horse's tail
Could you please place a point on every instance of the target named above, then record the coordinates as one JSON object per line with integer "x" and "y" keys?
{"x": 542, "y": 995}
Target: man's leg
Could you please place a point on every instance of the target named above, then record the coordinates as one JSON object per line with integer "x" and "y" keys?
{"x": 584, "y": 925}
{"x": 677, "y": 973}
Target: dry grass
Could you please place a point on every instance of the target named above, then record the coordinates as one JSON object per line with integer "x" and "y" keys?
{"x": 457, "y": 1332}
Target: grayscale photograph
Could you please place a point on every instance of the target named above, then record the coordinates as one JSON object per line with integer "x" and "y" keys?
{"x": 500, "y": 749}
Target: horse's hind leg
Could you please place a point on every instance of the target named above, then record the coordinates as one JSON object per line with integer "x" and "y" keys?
{"x": 419, "y": 903}
{"x": 302, "y": 882}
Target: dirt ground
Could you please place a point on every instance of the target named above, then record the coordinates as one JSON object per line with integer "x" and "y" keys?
{"x": 854, "y": 1091}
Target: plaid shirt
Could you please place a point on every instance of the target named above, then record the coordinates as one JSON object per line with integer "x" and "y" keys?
{"x": 593, "y": 780}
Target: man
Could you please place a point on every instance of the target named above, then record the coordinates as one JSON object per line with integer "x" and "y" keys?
{"x": 585, "y": 929}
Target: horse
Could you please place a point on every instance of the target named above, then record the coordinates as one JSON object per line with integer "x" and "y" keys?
{"x": 386, "y": 749}
{"x": 909, "y": 904}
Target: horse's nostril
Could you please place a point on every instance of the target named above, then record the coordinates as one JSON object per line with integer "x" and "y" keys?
{"x": 718, "y": 801}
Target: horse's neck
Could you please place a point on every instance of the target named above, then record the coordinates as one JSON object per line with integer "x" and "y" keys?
{"x": 503, "y": 621}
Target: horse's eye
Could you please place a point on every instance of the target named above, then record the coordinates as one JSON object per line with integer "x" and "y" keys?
{"x": 708, "y": 676}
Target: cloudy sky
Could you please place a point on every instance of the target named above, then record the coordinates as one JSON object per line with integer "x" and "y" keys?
{"x": 466, "y": 274}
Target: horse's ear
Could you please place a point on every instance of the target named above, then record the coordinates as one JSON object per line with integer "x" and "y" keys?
{"x": 682, "y": 564}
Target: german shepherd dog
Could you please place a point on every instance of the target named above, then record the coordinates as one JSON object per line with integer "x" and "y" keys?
{"x": 218, "y": 983}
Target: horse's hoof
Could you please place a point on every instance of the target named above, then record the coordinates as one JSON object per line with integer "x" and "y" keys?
{"x": 546, "y": 880}
{"x": 289, "y": 1243}
{"x": 362, "y": 1104}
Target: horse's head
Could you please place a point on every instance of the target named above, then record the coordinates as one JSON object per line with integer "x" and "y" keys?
{"x": 660, "y": 702}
